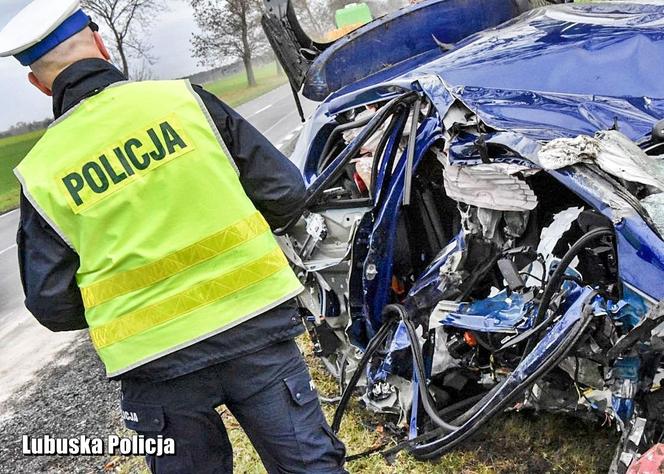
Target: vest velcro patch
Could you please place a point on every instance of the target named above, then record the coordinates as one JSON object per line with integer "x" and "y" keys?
{"x": 122, "y": 163}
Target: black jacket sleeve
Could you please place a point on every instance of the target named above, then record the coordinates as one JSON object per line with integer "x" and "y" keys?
{"x": 272, "y": 181}
{"x": 48, "y": 265}
{"x": 48, "y": 269}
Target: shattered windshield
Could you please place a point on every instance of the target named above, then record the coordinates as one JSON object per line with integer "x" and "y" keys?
{"x": 654, "y": 204}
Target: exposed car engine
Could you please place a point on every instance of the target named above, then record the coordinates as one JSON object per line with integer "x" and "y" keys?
{"x": 476, "y": 242}
{"x": 489, "y": 262}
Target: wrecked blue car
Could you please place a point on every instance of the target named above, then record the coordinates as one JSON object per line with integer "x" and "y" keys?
{"x": 483, "y": 229}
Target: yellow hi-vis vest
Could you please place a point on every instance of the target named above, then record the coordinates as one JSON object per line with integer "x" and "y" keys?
{"x": 139, "y": 183}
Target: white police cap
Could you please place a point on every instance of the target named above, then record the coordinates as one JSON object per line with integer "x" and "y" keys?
{"x": 41, "y": 26}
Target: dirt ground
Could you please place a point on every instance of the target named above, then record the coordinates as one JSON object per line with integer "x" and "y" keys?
{"x": 70, "y": 398}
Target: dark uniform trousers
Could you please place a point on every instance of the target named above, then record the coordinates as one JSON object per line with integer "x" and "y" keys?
{"x": 269, "y": 392}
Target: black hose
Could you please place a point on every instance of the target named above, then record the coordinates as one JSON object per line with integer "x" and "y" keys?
{"x": 484, "y": 344}
{"x": 368, "y": 452}
{"x": 427, "y": 400}
{"x": 557, "y": 279}
{"x": 373, "y": 345}
{"x": 480, "y": 271}
{"x": 435, "y": 433}
{"x": 431, "y": 434}
{"x": 438, "y": 447}
{"x": 553, "y": 286}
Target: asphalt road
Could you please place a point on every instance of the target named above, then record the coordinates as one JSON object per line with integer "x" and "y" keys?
{"x": 275, "y": 115}
{"x": 25, "y": 346}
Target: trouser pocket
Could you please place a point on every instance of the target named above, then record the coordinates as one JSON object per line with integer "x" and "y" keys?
{"x": 321, "y": 451}
{"x": 146, "y": 420}
{"x": 143, "y": 418}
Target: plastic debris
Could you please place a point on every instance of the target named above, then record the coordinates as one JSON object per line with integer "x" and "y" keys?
{"x": 652, "y": 462}
{"x": 489, "y": 188}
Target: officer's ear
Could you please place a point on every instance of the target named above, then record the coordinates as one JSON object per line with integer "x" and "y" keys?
{"x": 101, "y": 46}
{"x": 35, "y": 82}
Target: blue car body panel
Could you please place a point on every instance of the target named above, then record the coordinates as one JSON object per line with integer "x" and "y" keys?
{"x": 561, "y": 71}
{"x": 556, "y": 72}
{"x": 382, "y": 241}
{"x": 400, "y": 36}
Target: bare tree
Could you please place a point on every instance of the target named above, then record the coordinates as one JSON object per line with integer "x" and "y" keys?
{"x": 128, "y": 21}
{"x": 229, "y": 28}
{"x": 309, "y": 19}
{"x": 142, "y": 71}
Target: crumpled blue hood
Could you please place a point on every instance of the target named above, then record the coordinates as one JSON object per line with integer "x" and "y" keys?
{"x": 559, "y": 71}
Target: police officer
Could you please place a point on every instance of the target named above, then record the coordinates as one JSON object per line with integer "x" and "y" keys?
{"x": 146, "y": 211}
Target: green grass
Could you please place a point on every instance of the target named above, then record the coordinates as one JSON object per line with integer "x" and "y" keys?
{"x": 232, "y": 89}
{"x": 12, "y": 151}
{"x": 511, "y": 443}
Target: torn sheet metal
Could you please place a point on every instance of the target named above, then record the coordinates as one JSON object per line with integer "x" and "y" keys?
{"x": 507, "y": 168}
{"x": 564, "y": 152}
{"x": 399, "y": 342}
{"x": 514, "y": 153}
{"x": 611, "y": 150}
{"x": 560, "y": 335}
{"x": 621, "y": 157}
{"x": 549, "y": 238}
{"x": 442, "y": 359}
{"x": 502, "y": 313}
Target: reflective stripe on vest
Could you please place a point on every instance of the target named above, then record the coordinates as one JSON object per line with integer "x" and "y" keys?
{"x": 178, "y": 261}
{"x": 171, "y": 249}
{"x": 202, "y": 294}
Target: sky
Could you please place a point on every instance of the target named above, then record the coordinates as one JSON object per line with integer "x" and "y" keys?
{"x": 169, "y": 35}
